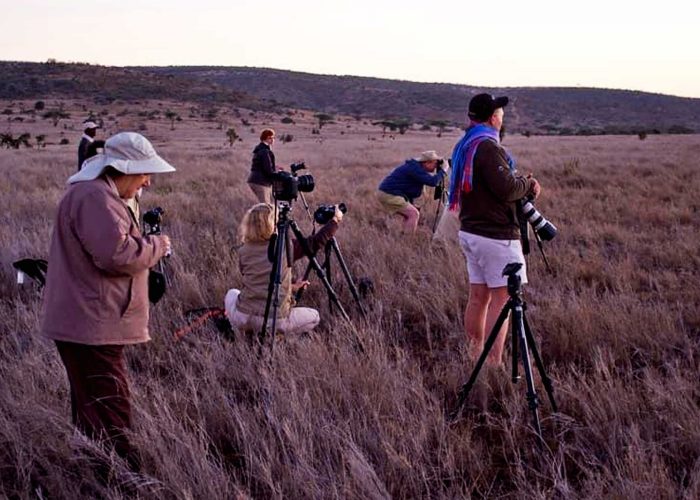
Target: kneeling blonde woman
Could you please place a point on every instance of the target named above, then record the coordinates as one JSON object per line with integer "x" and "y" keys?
{"x": 245, "y": 308}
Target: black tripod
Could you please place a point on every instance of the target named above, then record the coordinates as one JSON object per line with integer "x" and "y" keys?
{"x": 522, "y": 339}
{"x": 525, "y": 241}
{"x": 282, "y": 247}
{"x": 331, "y": 248}
{"x": 441, "y": 197}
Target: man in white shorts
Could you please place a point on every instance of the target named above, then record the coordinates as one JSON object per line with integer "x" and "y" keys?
{"x": 486, "y": 190}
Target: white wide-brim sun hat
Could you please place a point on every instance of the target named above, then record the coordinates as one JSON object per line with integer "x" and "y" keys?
{"x": 129, "y": 153}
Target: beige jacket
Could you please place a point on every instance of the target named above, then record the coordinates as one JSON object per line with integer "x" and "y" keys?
{"x": 256, "y": 267}
{"x": 97, "y": 282}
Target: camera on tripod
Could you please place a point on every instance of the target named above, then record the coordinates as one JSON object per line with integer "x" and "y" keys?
{"x": 153, "y": 219}
{"x": 324, "y": 213}
{"x": 542, "y": 227}
{"x": 286, "y": 186}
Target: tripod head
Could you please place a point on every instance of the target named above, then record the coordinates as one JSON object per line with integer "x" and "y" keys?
{"x": 514, "y": 281}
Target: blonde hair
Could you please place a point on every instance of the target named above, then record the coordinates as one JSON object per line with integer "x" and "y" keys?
{"x": 258, "y": 224}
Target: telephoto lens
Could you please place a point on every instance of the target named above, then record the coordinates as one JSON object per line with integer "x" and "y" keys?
{"x": 324, "y": 213}
{"x": 544, "y": 229}
{"x": 305, "y": 183}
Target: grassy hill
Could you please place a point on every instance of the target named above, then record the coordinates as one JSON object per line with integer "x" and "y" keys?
{"x": 23, "y": 80}
{"x": 535, "y": 109}
{"x": 540, "y": 110}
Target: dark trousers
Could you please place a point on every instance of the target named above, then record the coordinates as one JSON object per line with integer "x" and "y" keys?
{"x": 99, "y": 393}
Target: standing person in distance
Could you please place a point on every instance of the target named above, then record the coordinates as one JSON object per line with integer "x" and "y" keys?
{"x": 263, "y": 167}
{"x": 87, "y": 147}
{"x": 404, "y": 184}
{"x": 485, "y": 188}
{"x": 96, "y": 295}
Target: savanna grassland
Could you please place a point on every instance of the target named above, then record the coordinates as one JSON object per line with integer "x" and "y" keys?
{"x": 618, "y": 324}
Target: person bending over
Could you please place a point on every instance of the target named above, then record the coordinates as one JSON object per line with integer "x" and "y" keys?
{"x": 485, "y": 190}
{"x": 404, "y": 184}
{"x": 263, "y": 167}
{"x": 245, "y": 308}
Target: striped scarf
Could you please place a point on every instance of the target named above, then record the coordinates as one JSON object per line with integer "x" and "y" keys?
{"x": 463, "y": 160}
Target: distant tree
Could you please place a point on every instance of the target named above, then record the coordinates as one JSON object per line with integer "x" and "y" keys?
{"x": 285, "y": 138}
{"x": 64, "y": 141}
{"x": 679, "y": 129}
{"x": 8, "y": 141}
{"x": 172, "y": 116}
{"x": 232, "y": 136}
{"x": 386, "y": 124}
{"x": 287, "y": 120}
{"x": 7, "y": 111}
{"x": 323, "y": 119}
{"x": 403, "y": 126}
{"x": 642, "y": 135}
{"x": 441, "y": 125}
{"x": 55, "y": 115}
{"x": 41, "y": 141}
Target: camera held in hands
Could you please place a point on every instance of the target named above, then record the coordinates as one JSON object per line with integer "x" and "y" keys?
{"x": 542, "y": 227}
{"x": 324, "y": 213}
{"x": 153, "y": 219}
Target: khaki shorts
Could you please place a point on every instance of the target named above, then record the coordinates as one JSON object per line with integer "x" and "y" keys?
{"x": 391, "y": 202}
{"x": 486, "y": 258}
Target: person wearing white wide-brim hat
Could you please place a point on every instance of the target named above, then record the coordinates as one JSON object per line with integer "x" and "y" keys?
{"x": 96, "y": 295}
{"x": 404, "y": 184}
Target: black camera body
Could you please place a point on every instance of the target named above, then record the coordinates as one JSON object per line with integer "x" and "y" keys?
{"x": 324, "y": 213}
{"x": 287, "y": 186}
{"x": 153, "y": 219}
{"x": 295, "y": 167}
{"x": 542, "y": 227}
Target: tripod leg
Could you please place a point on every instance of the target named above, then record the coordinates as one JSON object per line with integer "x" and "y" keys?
{"x": 532, "y": 400}
{"x": 464, "y": 390}
{"x": 348, "y": 277}
{"x": 327, "y": 269}
{"x": 316, "y": 267}
{"x": 546, "y": 381}
{"x": 514, "y": 354}
{"x": 544, "y": 256}
{"x": 276, "y": 280}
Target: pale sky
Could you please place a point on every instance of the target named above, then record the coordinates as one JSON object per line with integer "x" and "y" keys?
{"x": 650, "y": 46}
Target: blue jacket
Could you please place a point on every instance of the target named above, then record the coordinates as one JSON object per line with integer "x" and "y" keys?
{"x": 408, "y": 180}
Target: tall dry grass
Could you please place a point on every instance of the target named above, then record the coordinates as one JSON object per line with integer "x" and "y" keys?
{"x": 617, "y": 325}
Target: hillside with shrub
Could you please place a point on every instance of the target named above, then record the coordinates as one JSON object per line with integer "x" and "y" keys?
{"x": 543, "y": 110}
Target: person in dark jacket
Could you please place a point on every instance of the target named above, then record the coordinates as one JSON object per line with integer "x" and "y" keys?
{"x": 87, "y": 147}
{"x": 404, "y": 184}
{"x": 485, "y": 189}
{"x": 262, "y": 167}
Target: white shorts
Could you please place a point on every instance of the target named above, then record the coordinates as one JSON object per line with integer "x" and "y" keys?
{"x": 300, "y": 319}
{"x": 487, "y": 257}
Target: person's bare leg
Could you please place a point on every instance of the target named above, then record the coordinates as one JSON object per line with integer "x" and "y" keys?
{"x": 410, "y": 216}
{"x": 499, "y": 297}
{"x": 475, "y": 318}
